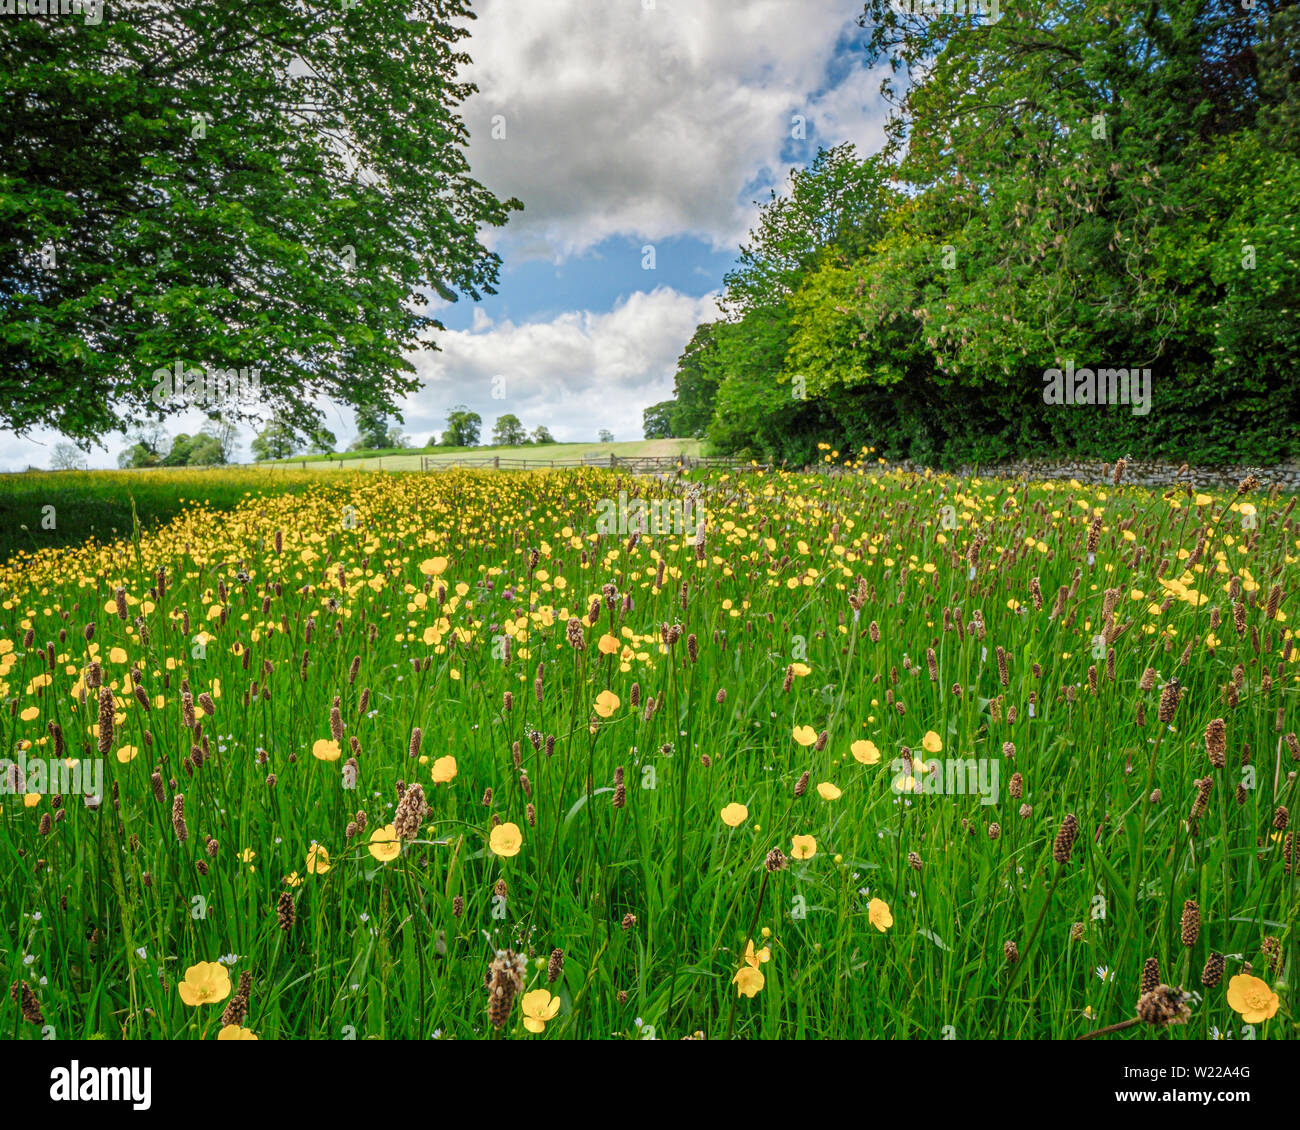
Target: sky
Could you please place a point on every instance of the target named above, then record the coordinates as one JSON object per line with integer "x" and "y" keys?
{"x": 641, "y": 136}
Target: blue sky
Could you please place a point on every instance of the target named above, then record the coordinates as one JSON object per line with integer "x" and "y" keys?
{"x": 627, "y": 123}
{"x": 540, "y": 289}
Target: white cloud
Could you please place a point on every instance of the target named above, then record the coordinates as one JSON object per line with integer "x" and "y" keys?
{"x": 578, "y": 373}
{"x": 648, "y": 123}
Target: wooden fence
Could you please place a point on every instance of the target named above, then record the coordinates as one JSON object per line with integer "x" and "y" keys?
{"x": 633, "y": 464}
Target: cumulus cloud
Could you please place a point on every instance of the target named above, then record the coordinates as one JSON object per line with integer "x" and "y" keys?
{"x": 623, "y": 120}
{"x": 577, "y": 373}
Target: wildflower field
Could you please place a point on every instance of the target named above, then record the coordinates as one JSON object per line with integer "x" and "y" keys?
{"x": 858, "y": 755}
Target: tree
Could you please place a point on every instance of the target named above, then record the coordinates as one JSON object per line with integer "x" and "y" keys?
{"x": 225, "y": 433}
{"x": 323, "y": 441}
{"x": 67, "y": 457}
{"x": 147, "y": 442}
{"x": 509, "y": 432}
{"x": 295, "y": 171}
{"x": 179, "y": 455}
{"x": 657, "y": 420}
{"x": 1015, "y": 224}
{"x": 542, "y": 434}
{"x": 205, "y": 451}
{"x": 606, "y": 436}
{"x": 839, "y": 200}
{"x": 136, "y": 456}
{"x": 275, "y": 441}
{"x": 696, "y": 383}
{"x": 463, "y": 428}
{"x": 372, "y": 428}
{"x": 395, "y": 437}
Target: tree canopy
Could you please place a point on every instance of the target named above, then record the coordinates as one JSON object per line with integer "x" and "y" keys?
{"x": 226, "y": 188}
{"x": 1070, "y": 183}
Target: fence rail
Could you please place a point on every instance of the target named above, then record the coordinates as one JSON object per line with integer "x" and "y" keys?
{"x": 634, "y": 464}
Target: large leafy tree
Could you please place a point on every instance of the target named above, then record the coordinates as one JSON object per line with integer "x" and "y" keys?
{"x": 269, "y": 186}
{"x": 696, "y": 383}
{"x": 275, "y": 441}
{"x": 509, "y": 432}
{"x": 463, "y": 428}
{"x": 657, "y": 420}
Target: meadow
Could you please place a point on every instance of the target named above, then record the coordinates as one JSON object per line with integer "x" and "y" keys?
{"x": 867, "y": 755}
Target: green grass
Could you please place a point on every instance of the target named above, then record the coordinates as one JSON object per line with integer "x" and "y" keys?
{"x": 653, "y": 903}
{"x": 407, "y": 459}
{"x": 97, "y": 504}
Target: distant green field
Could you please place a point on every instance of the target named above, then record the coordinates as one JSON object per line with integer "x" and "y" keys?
{"x": 411, "y": 460}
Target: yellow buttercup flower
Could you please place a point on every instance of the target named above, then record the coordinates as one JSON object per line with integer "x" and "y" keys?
{"x": 734, "y": 815}
{"x": 748, "y": 981}
{"x": 1252, "y": 998}
{"x": 606, "y": 703}
{"x": 235, "y": 1032}
{"x": 326, "y": 750}
{"x": 384, "y": 844}
{"x": 538, "y": 1007}
{"x": 318, "y": 860}
{"x": 827, "y": 791}
{"x": 878, "y": 914}
{"x": 804, "y": 735}
{"x": 803, "y": 847}
{"x": 444, "y": 770}
{"x": 931, "y": 743}
{"x": 865, "y": 752}
{"x": 208, "y": 982}
{"x": 506, "y": 840}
